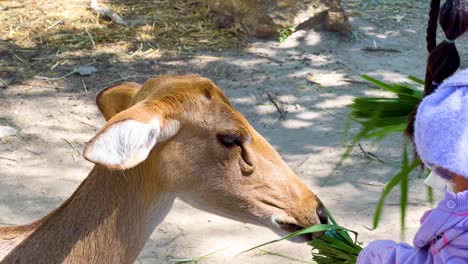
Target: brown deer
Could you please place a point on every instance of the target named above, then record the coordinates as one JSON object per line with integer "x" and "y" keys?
{"x": 175, "y": 136}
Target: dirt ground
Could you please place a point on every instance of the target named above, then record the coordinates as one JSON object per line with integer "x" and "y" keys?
{"x": 313, "y": 75}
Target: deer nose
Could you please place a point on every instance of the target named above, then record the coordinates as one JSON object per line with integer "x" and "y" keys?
{"x": 321, "y": 213}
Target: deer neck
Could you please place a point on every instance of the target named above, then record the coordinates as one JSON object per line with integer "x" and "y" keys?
{"x": 107, "y": 220}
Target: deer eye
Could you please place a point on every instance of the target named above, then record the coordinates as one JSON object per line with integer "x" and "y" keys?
{"x": 229, "y": 140}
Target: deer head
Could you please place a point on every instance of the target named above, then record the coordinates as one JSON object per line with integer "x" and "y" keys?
{"x": 184, "y": 133}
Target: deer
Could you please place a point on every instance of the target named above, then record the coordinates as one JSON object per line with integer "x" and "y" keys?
{"x": 173, "y": 136}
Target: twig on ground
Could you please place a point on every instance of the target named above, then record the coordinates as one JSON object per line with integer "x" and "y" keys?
{"x": 302, "y": 162}
{"x": 84, "y": 86}
{"x": 56, "y": 78}
{"x": 55, "y": 24}
{"x": 33, "y": 152}
{"x": 267, "y": 57}
{"x": 370, "y": 183}
{"x": 278, "y": 108}
{"x": 370, "y": 155}
{"x": 73, "y": 147}
{"x": 326, "y": 111}
{"x": 77, "y": 69}
{"x": 84, "y": 123}
{"x": 18, "y": 57}
{"x": 171, "y": 240}
{"x": 374, "y": 49}
{"x": 5, "y": 158}
{"x": 91, "y": 38}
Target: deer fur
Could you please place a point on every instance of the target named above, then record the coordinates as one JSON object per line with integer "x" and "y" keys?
{"x": 175, "y": 136}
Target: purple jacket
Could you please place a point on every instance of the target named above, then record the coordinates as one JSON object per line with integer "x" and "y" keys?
{"x": 442, "y": 238}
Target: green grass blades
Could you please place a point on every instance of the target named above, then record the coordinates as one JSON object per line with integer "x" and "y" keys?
{"x": 335, "y": 246}
{"x": 380, "y": 117}
{"x": 330, "y": 250}
{"x": 402, "y": 179}
{"x": 307, "y": 230}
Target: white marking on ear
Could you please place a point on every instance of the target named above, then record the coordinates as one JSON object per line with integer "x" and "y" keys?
{"x": 124, "y": 144}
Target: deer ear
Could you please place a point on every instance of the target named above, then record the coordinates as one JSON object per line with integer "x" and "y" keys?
{"x": 117, "y": 98}
{"x": 127, "y": 139}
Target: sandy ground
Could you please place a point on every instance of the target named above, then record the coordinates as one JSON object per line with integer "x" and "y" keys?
{"x": 39, "y": 168}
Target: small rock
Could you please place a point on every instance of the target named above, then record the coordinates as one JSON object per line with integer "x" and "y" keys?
{"x": 337, "y": 20}
{"x": 86, "y": 70}
{"x": 6, "y": 131}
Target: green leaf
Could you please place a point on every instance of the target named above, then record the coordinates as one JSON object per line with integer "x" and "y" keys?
{"x": 386, "y": 191}
{"x": 404, "y": 186}
{"x": 307, "y": 230}
{"x": 416, "y": 79}
{"x": 378, "y": 83}
{"x": 401, "y": 177}
{"x": 430, "y": 196}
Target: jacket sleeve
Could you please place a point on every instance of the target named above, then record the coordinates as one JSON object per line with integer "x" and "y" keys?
{"x": 442, "y": 238}
{"x": 389, "y": 252}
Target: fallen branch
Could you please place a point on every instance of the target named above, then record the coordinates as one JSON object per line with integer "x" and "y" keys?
{"x": 280, "y": 111}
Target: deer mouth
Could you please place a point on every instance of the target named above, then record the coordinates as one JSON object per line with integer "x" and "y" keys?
{"x": 291, "y": 228}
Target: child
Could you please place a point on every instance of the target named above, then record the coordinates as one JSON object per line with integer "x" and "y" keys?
{"x": 441, "y": 138}
{"x": 440, "y": 133}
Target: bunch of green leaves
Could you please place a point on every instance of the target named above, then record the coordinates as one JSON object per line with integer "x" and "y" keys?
{"x": 380, "y": 117}
{"x": 334, "y": 246}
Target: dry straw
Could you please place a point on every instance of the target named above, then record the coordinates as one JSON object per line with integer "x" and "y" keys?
{"x": 178, "y": 25}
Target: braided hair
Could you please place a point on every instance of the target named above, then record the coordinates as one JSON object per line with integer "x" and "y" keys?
{"x": 444, "y": 59}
